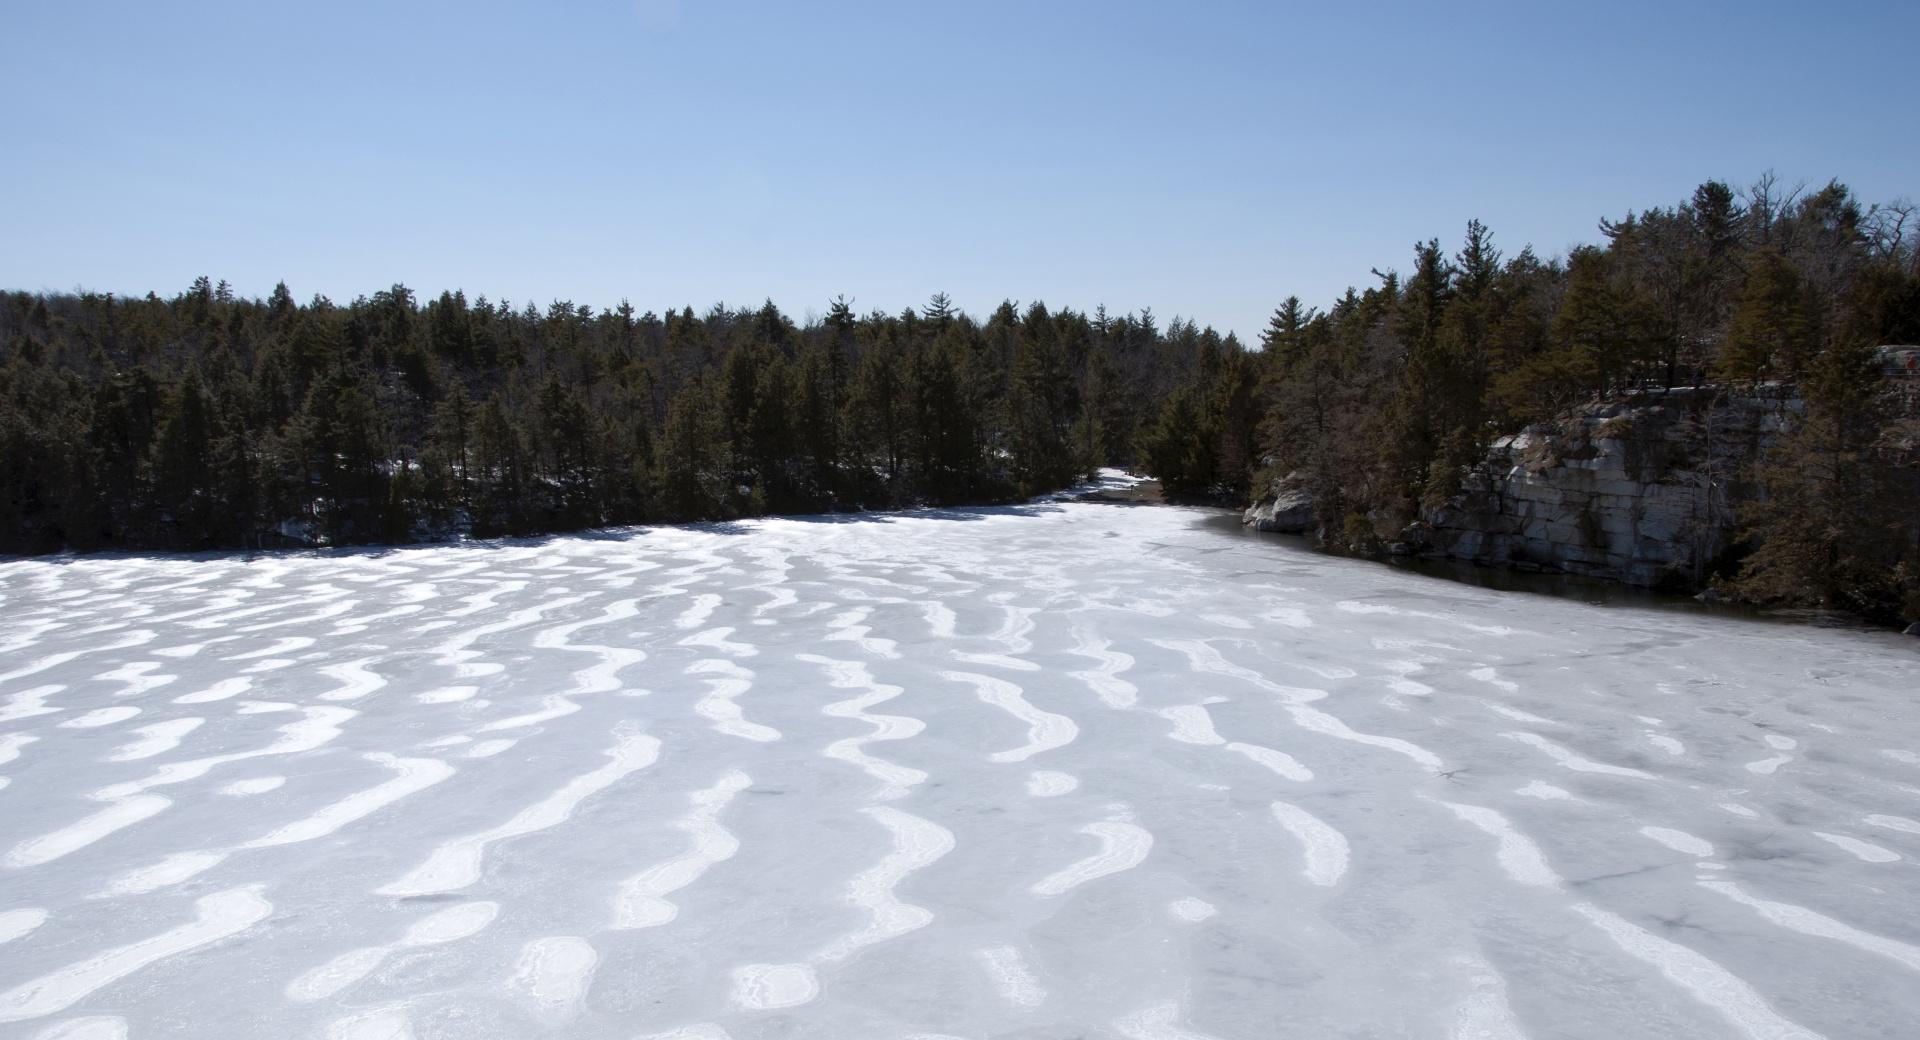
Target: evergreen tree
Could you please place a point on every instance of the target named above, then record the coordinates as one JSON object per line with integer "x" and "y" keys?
{"x": 567, "y": 439}
{"x": 879, "y": 414}
{"x": 1417, "y": 410}
{"x": 1773, "y": 332}
{"x": 348, "y": 443}
{"x": 499, "y": 472}
{"x": 1829, "y": 530}
{"x": 181, "y": 471}
{"x": 817, "y": 426}
{"x": 773, "y": 439}
{"x": 939, "y": 312}
{"x": 451, "y": 445}
{"x": 1235, "y": 417}
{"x": 694, "y": 468}
{"x": 1280, "y": 343}
{"x": 1043, "y": 409}
{"x": 943, "y": 423}
{"x": 1179, "y": 446}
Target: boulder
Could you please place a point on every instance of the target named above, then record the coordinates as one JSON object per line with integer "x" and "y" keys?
{"x": 1287, "y": 508}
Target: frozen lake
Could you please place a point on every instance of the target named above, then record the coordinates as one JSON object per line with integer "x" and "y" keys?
{"x": 1065, "y": 770}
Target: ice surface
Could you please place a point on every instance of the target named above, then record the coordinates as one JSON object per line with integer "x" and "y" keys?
{"x": 1069, "y": 769}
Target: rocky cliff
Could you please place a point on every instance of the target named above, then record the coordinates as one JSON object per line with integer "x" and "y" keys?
{"x": 1639, "y": 488}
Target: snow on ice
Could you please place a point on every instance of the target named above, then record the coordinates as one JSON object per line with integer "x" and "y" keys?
{"x": 1064, "y": 769}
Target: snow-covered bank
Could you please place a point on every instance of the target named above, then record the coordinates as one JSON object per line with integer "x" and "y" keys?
{"x": 1063, "y": 769}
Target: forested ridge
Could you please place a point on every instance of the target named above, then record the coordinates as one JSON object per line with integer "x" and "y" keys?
{"x": 1385, "y": 401}
{"x": 203, "y": 420}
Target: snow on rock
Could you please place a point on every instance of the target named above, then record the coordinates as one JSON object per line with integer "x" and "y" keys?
{"x": 1068, "y": 768}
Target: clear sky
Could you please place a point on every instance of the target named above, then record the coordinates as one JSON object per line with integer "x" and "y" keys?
{"x": 1202, "y": 159}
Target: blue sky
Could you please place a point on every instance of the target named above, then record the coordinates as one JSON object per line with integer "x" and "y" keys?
{"x": 1202, "y": 159}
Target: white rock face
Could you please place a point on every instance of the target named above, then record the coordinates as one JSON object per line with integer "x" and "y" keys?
{"x": 1021, "y": 776}
{"x": 1640, "y": 490}
{"x": 1287, "y": 508}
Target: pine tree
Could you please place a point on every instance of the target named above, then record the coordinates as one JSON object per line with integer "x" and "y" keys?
{"x": 694, "y": 469}
{"x": 1416, "y": 411}
{"x": 1044, "y": 404}
{"x": 879, "y": 415}
{"x": 772, "y": 438}
{"x": 348, "y": 439}
{"x": 181, "y": 470}
{"x": 1592, "y": 338}
{"x": 448, "y": 330}
{"x": 1773, "y": 332}
{"x": 499, "y": 471}
{"x": 1280, "y": 343}
{"x": 280, "y": 306}
{"x": 1179, "y": 446}
{"x": 566, "y": 437}
{"x": 944, "y": 423}
{"x": 125, "y": 417}
{"x": 1829, "y": 530}
{"x": 1235, "y": 417}
{"x": 451, "y": 443}
{"x": 1095, "y": 439}
{"x": 939, "y": 312}
{"x": 817, "y": 416}
{"x": 236, "y": 491}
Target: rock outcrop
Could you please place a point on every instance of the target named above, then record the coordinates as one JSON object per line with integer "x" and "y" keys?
{"x": 1637, "y": 489}
{"x": 1287, "y": 508}
{"x": 1642, "y": 488}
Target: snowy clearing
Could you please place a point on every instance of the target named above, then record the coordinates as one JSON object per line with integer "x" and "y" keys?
{"x": 1017, "y": 772}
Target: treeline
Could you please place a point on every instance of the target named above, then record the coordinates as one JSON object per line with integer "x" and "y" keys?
{"x": 1385, "y": 400}
{"x": 210, "y": 421}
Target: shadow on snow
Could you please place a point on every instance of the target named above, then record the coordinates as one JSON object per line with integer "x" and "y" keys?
{"x": 597, "y": 534}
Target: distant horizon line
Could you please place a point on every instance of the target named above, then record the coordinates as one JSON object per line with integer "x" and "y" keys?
{"x": 810, "y": 315}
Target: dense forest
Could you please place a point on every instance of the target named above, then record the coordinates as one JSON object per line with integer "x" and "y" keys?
{"x": 1387, "y": 398}
{"x": 204, "y": 420}
{"x": 208, "y": 421}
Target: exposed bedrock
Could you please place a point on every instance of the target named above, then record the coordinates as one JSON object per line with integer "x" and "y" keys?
{"x": 1643, "y": 488}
